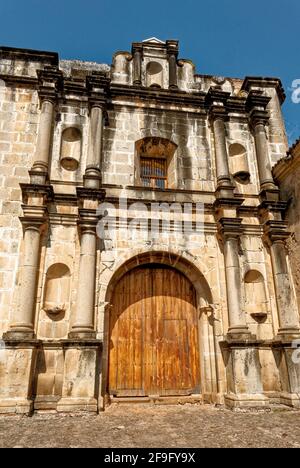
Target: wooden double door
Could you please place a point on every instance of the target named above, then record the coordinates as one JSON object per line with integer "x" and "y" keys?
{"x": 154, "y": 346}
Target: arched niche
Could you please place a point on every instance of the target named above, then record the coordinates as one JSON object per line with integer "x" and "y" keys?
{"x": 155, "y": 163}
{"x": 70, "y": 151}
{"x": 57, "y": 290}
{"x": 256, "y": 303}
{"x": 238, "y": 162}
{"x": 154, "y": 74}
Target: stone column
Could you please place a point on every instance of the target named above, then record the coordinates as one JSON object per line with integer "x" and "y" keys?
{"x": 49, "y": 81}
{"x": 259, "y": 117}
{"x": 172, "y": 51}
{"x": 92, "y": 177}
{"x": 137, "y": 53}
{"x": 218, "y": 116}
{"x": 286, "y": 302}
{"x": 83, "y": 326}
{"x": 40, "y": 166}
{"x": 97, "y": 85}
{"x": 231, "y": 230}
{"x": 22, "y": 322}
{"x": 258, "y": 121}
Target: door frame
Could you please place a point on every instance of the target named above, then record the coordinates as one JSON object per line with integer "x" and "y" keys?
{"x": 204, "y": 301}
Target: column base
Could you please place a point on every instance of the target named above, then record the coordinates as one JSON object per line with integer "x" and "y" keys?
{"x": 290, "y": 399}
{"x": 239, "y": 334}
{"x": 287, "y": 334}
{"x": 18, "y": 335}
{"x": 75, "y": 405}
{"x": 269, "y": 192}
{"x": 225, "y": 189}
{"x": 244, "y": 401}
{"x": 81, "y": 334}
{"x": 92, "y": 178}
{"x": 16, "y": 406}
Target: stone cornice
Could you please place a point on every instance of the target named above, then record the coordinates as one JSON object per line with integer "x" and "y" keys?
{"x": 90, "y": 194}
{"x": 235, "y": 202}
{"x": 50, "y": 81}
{"x": 217, "y": 95}
{"x": 177, "y": 97}
{"x": 12, "y": 53}
{"x": 261, "y": 82}
{"x": 172, "y": 47}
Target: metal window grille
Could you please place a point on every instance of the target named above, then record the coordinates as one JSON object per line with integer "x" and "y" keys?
{"x": 154, "y": 172}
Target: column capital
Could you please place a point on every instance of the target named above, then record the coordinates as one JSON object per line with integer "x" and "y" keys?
{"x": 276, "y": 232}
{"x": 44, "y": 191}
{"x": 230, "y": 228}
{"x": 216, "y": 100}
{"x": 50, "y": 81}
{"x": 172, "y": 47}
{"x": 258, "y": 117}
{"x": 136, "y": 47}
{"x": 97, "y": 85}
{"x": 227, "y": 208}
{"x": 256, "y": 106}
{"x": 217, "y": 112}
{"x": 87, "y": 221}
{"x": 35, "y": 218}
{"x": 257, "y": 99}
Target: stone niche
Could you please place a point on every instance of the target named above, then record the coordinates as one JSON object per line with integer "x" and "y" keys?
{"x": 154, "y": 73}
{"x": 53, "y": 323}
{"x": 70, "y": 150}
{"x": 238, "y": 162}
{"x": 256, "y": 304}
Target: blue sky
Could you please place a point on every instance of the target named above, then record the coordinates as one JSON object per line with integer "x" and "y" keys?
{"x": 224, "y": 37}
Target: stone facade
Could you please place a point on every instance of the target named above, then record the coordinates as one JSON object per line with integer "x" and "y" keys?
{"x": 72, "y": 136}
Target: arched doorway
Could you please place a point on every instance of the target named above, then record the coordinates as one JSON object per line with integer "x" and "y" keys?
{"x": 153, "y": 334}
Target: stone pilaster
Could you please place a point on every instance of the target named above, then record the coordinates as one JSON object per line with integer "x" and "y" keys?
{"x": 172, "y": 52}
{"x": 34, "y": 223}
{"x": 83, "y": 326}
{"x": 259, "y": 117}
{"x": 218, "y": 116}
{"x": 230, "y": 229}
{"x": 275, "y": 232}
{"x": 49, "y": 82}
{"x": 97, "y": 86}
{"x": 137, "y": 53}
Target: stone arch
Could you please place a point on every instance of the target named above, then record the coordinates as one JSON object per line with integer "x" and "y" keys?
{"x": 178, "y": 262}
{"x": 205, "y": 310}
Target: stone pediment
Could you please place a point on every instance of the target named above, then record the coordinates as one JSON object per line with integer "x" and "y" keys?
{"x": 153, "y": 40}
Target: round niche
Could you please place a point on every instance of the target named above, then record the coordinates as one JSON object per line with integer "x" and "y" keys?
{"x": 70, "y": 148}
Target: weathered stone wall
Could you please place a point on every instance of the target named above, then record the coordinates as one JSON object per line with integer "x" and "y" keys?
{"x": 18, "y": 131}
